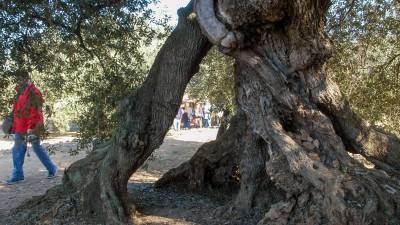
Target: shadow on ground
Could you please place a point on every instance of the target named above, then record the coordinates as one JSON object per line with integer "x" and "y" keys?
{"x": 157, "y": 206}
{"x": 154, "y": 206}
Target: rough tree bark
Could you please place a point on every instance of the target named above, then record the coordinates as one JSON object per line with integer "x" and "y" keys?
{"x": 94, "y": 189}
{"x": 215, "y": 167}
{"x": 299, "y": 125}
{"x": 224, "y": 123}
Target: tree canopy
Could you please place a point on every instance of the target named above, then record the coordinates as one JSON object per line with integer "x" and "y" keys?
{"x": 84, "y": 55}
{"x": 92, "y": 53}
{"x": 288, "y": 152}
{"x": 366, "y": 59}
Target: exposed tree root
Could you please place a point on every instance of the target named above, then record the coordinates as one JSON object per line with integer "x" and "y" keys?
{"x": 215, "y": 164}
{"x": 294, "y": 143}
{"x": 63, "y": 204}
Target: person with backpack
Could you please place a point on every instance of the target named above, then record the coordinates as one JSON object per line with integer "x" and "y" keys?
{"x": 27, "y": 126}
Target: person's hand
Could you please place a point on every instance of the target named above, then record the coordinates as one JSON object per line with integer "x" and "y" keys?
{"x": 30, "y": 131}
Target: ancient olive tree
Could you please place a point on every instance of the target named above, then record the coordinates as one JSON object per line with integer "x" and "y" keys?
{"x": 299, "y": 127}
{"x": 94, "y": 189}
{"x": 295, "y": 137}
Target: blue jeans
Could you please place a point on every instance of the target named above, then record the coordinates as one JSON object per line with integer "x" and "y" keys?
{"x": 18, "y": 155}
{"x": 177, "y": 124}
{"x": 187, "y": 124}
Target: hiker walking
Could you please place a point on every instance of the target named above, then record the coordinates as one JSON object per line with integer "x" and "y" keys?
{"x": 27, "y": 125}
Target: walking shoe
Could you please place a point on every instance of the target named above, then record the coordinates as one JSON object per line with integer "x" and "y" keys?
{"x": 14, "y": 181}
{"x": 52, "y": 175}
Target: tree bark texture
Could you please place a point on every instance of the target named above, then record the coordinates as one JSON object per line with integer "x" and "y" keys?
{"x": 224, "y": 123}
{"x": 307, "y": 156}
{"x": 298, "y": 128}
{"x": 296, "y": 114}
{"x": 94, "y": 189}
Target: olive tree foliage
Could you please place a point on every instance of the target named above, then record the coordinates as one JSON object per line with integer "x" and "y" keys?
{"x": 214, "y": 81}
{"x": 366, "y": 60}
{"x": 91, "y": 54}
{"x": 85, "y": 56}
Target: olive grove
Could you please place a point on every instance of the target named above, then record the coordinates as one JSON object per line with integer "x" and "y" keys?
{"x": 287, "y": 146}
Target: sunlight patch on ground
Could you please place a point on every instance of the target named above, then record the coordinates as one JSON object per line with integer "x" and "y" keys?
{"x": 177, "y": 148}
{"x": 145, "y": 177}
{"x": 159, "y": 220}
{"x": 363, "y": 160}
{"x": 7, "y": 143}
{"x": 195, "y": 134}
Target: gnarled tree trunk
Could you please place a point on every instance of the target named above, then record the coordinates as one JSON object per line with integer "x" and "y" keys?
{"x": 94, "y": 189}
{"x": 299, "y": 126}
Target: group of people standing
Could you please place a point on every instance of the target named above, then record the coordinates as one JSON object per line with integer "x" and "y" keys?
{"x": 198, "y": 116}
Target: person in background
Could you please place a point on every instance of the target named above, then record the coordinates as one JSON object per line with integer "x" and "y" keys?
{"x": 28, "y": 124}
{"x": 190, "y": 112}
{"x": 178, "y": 119}
{"x": 207, "y": 114}
{"x": 199, "y": 115}
{"x": 185, "y": 120}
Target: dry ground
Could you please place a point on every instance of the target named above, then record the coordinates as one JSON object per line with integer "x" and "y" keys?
{"x": 155, "y": 206}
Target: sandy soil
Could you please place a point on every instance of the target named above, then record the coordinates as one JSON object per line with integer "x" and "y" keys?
{"x": 154, "y": 206}
{"x": 35, "y": 182}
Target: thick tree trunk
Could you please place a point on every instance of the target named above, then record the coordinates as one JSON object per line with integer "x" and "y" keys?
{"x": 298, "y": 127}
{"x": 307, "y": 156}
{"x": 223, "y": 126}
{"x": 94, "y": 189}
{"x": 308, "y": 160}
{"x": 297, "y": 115}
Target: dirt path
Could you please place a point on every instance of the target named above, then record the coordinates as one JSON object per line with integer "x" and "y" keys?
{"x": 35, "y": 182}
{"x": 154, "y": 206}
